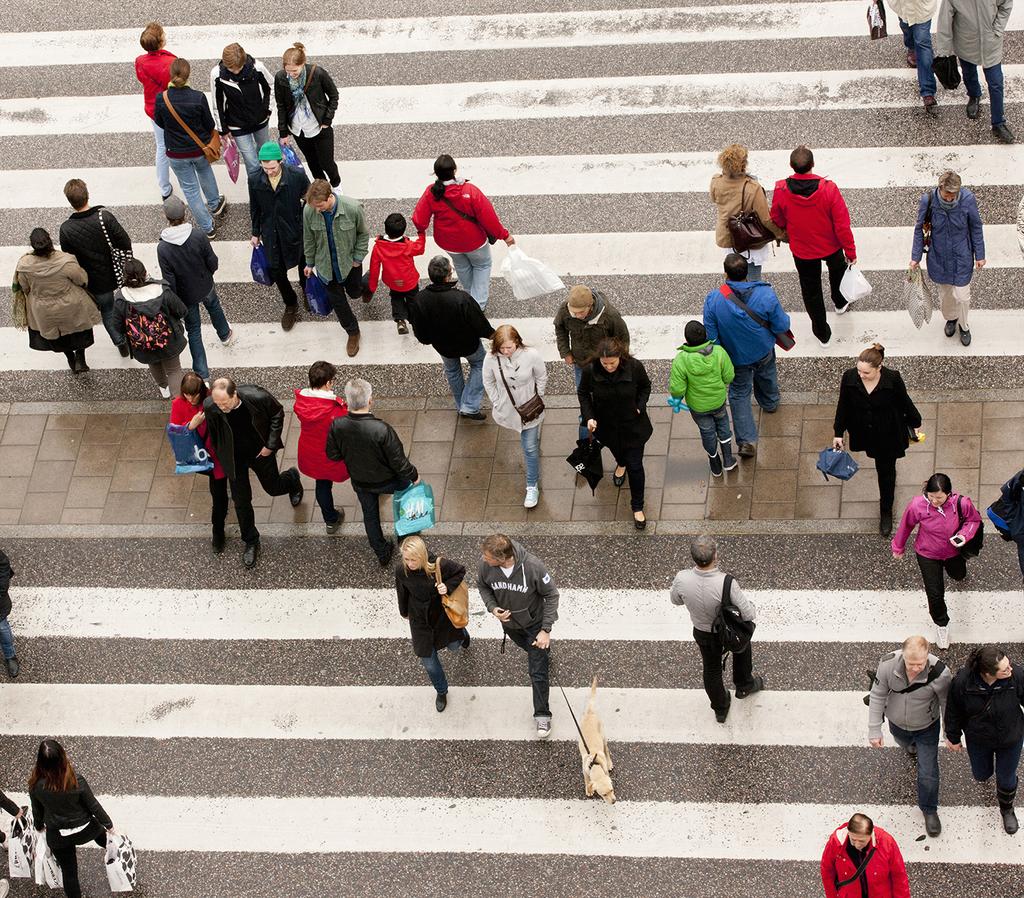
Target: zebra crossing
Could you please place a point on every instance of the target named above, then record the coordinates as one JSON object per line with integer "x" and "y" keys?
{"x": 276, "y": 736}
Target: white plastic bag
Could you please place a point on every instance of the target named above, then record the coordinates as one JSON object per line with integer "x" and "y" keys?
{"x": 854, "y": 285}
{"x": 122, "y": 872}
{"x": 21, "y": 847}
{"x": 528, "y": 277}
{"x": 47, "y": 870}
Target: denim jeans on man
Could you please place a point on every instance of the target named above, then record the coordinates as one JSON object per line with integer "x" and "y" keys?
{"x": 468, "y": 394}
{"x": 163, "y": 170}
{"x": 927, "y": 742}
{"x": 196, "y": 177}
{"x": 435, "y": 671}
{"x": 1002, "y": 761}
{"x": 713, "y": 427}
{"x": 194, "y": 329}
{"x": 325, "y": 499}
{"x": 369, "y": 501}
{"x": 918, "y": 38}
{"x": 105, "y": 303}
{"x": 763, "y": 378}
{"x": 538, "y": 666}
{"x": 6, "y": 639}
{"x": 474, "y": 271}
{"x": 994, "y": 79}
{"x": 577, "y": 376}
{"x": 530, "y": 440}
{"x": 249, "y": 149}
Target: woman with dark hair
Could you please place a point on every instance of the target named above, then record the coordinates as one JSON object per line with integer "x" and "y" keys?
{"x": 149, "y": 314}
{"x": 465, "y": 226}
{"x": 153, "y": 70}
{"x": 879, "y": 415}
{"x": 63, "y": 805}
{"x": 306, "y": 103}
{"x": 513, "y": 375}
{"x": 945, "y": 521}
{"x": 862, "y": 860}
{"x": 613, "y": 393}
{"x": 59, "y": 311}
{"x": 984, "y": 706}
{"x": 187, "y": 410}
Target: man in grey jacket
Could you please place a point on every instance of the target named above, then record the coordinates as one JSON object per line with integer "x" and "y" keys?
{"x": 700, "y": 590}
{"x": 910, "y": 688}
{"x": 518, "y": 590}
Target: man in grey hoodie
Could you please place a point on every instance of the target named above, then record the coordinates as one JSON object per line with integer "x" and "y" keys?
{"x": 518, "y": 590}
{"x": 910, "y": 688}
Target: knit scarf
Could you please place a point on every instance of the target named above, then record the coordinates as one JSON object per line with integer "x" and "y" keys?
{"x": 948, "y": 206}
{"x": 298, "y": 86}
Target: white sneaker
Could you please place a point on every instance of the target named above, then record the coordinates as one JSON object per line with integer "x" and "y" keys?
{"x": 543, "y": 727}
{"x": 165, "y": 392}
{"x": 532, "y": 497}
{"x": 942, "y": 637}
{"x": 229, "y": 339}
{"x": 846, "y": 308}
{"x": 5, "y": 888}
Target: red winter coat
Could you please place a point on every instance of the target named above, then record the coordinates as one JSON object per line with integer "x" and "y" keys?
{"x": 395, "y": 257}
{"x": 154, "y": 72}
{"x": 886, "y": 873}
{"x": 182, "y": 413}
{"x": 813, "y": 211}
{"x": 452, "y": 232}
{"x": 315, "y": 414}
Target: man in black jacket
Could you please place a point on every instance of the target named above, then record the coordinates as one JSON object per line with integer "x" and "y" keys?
{"x": 241, "y": 91}
{"x": 88, "y": 235}
{"x": 6, "y": 637}
{"x": 375, "y": 458}
{"x": 276, "y": 198}
{"x": 245, "y": 424}
{"x": 452, "y": 322}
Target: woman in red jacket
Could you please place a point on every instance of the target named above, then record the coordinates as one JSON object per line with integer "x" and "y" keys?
{"x": 316, "y": 407}
{"x": 153, "y": 69}
{"x": 187, "y": 409}
{"x": 861, "y": 861}
{"x": 465, "y": 226}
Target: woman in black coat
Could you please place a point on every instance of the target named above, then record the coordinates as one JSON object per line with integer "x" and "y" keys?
{"x": 984, "y": 705}
{"x": 306, "y": 102}
{"x": 879, "y": 414}
{"x": 419, "y": 601}
{"x": 613, "y": 393}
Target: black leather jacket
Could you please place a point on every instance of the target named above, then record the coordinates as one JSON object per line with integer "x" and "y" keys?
{"x": 267, "y": 417}
{"x": 371, "y": 450}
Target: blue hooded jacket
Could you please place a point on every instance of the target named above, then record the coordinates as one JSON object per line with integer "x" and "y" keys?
{"x": 744, "y": 339}
{"x": 957, "y": 238}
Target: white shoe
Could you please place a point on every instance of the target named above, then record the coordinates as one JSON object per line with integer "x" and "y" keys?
{"x": 846, "y": 308}
{"x": 532, "y": 497}
{"x": 942, "y": 637}
{"x": 165, "y": 392}
{"x": 229, "y": 339}
{"x": 543, "y": 727}
{"x": 5, "y": 888}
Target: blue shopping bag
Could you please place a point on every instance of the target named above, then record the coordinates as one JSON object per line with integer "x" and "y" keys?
{"x": 316, "y": 295}
{"x": 414, "y": 509}
{"x": 260, "y": 267}
{"x": 290, "y": 156}
{"x": 838, "y": 463}
{"x": 190, "y": 455}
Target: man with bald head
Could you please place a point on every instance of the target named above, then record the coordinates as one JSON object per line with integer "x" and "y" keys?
{"x": 910, "y": 688}
{"x": 245, "y": 424}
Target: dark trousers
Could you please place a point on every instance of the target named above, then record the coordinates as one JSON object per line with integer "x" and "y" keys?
{"x": 809, "y": 271}
{"x": 1002, "y": 761}
{"x": 369, "y": 501}
{"x": 885, "y": 471}
{"x": 319, "y": 153}
{"x": 714, "y": 665}
{"x": 1020, "y": 554}
{"x": 279, "y": 275}
{"x": 633, "y": 461}
{"x": 935, "y": 583}
{"x": 219, "y": 510}
{"x": 400, "y": 304}
{"x": 325, "y": 499}
{"x": 340, "y": 293}
{"x": 537, "y": 661}
{"x": 274, "y": 483}
{"x": 63, "y": 848}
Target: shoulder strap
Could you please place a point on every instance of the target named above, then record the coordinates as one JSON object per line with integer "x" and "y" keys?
{"x": 309, "y": 78}
{"x": 933, "y": 675}
{"x": 463, "y": 215}
{"x": 731, "y": 296}
{"x": 743, "y": 194}
{"x": 437, "y": 570}
{"x": 727, "y": 590}
{"x": 860, "y": 870}
{"x": 512, "y": 398}
{"x": 178, "y": 119}
{"x": 103, "y": 227}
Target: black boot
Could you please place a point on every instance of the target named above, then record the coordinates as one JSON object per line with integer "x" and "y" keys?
{"x": 885, "y": 521}
{"x": 70, "y": 356}
{"x": 80, "y": 364}
{"x": 1006, "y": 798}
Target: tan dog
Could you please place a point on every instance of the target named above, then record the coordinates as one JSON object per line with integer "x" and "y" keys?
{"x": 597, "y": 763}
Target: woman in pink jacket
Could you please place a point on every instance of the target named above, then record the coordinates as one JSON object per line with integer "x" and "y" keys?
{"x": 945, "y": 522}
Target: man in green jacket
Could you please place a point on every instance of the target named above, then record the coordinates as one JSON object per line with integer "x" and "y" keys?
{"x": 701, "y": 374}
{"x": 335, "y": 240}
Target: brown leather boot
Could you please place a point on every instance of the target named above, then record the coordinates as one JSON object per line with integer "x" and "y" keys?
{"x": 288, "y": 318}
{"x": 352, "y": 347}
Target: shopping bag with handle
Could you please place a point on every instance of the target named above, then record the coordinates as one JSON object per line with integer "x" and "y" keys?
{"x": 21, "y": 846}
{"x": 854, "y": 285}
{"x": 414, "y": 509}
{"x": 231, "y": 161}
{"x": 316, "y": 295}
{"x": 528, "y": 277}
{"x": 290, "y": 156}
{"x": 190, "y": 454}
{"x": 260, "y": 267}
{"x": 47, "y": 870}
{"x": 121, "y": 863}
{"x": 917, "y": 298}
{"x": 837, "y": 463}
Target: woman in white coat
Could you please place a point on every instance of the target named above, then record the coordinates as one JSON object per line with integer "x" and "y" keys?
{"x": 515, "y": 378}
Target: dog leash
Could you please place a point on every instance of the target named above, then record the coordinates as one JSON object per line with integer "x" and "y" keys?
{"x": 583, "y": 738}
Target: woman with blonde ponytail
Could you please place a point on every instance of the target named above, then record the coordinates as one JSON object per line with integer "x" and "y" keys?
{"x": 306, "y": 103}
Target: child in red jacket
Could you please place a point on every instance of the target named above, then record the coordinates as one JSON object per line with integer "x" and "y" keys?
{"x": 393, "y": 252}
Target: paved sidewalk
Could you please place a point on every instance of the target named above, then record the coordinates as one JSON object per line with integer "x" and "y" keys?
{"x": 83, "y": 468}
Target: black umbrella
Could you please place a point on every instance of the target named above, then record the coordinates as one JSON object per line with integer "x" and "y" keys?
{"x": 586, "y": 460}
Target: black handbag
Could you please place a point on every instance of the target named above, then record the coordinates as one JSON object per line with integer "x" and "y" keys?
{"x": 947, "y": 70}
{"x": 732, "y": 630}
{"x": 746, "y": 228}
{"x": 530, "y": 410}
{"x": 785, "y": 341}
{"x": 972, "y": 547}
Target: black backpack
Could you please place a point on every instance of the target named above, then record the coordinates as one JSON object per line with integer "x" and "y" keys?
{"x": 731, "y": 629}
{"x": 971, "y": 548}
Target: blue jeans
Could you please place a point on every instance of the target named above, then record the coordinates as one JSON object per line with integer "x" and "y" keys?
{"x": 474, "y": 271}
{"x": 163, "y": 170}
{"x": 530, "y": 440}
{"x": 1002, "y": 761}
{"x": 194, "y": 329}
{"x": 713, "y": 427}
{"x": 369, "y": 501}
{"x": 249, "y": 149}
{"x": 105, "y": 303}
{"x": 994, "y": 78}
{"x": 763, "y": 378}
{"x": 919, "y": 39}
{"x": 468, "y": 394}
{"x": 196, "y": 177}
{"x": 577, "y": 376}
{"x": 927, "y": 742}
{"x": 6, "y": 638}
{"x": 325, "y": 499}
{"x": 435, "y": 671}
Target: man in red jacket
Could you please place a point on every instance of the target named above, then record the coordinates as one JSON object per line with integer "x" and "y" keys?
{"x": 860, "y": 860}
{"x": 814, "y": 213}
{"x": 392, "y": 261}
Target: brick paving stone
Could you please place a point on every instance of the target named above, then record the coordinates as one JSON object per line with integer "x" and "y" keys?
{"x": 23, "y": 430}
{"x": 960, "y": 417}
{"x": 957, "y": 451}
{"x": 136, "y": 476}
{"x": 18, "y": 461}
{"x": 42, "y": 508}
{"x": 51, "y": 476}
{"x": 60, "y": 445}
